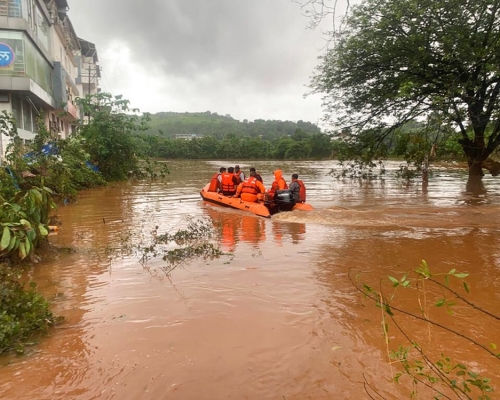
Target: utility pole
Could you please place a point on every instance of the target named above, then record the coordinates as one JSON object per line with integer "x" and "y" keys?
{"x": 1, "y": 148}
{"x": 88, "y": 116}
{"x": 89, "y": 79}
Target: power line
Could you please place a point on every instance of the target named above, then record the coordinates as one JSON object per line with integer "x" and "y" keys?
{"x": 104, "y": 76}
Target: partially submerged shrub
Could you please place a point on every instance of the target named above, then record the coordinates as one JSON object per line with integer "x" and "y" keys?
{"x": 407, "y": 306}
{"x": 23, "y": 314}
{"x": 199, "y": 239}
{"x": 23, "y": 222}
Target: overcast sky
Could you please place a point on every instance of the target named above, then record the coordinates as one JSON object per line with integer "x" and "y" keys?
{"x": 247, "y": 58}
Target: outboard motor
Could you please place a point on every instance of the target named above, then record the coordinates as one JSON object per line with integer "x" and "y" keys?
{"x": 284, "y": 200}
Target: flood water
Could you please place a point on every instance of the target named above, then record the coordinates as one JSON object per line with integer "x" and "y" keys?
{"x": 278, "y": 318}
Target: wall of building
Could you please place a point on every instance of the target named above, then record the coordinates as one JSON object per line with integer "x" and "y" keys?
{"x": 46, "y": 68}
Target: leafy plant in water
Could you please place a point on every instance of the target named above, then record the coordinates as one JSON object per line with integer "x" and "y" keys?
{"x": 23, "y": 313}
{"x": 199, "y": 239}
{"x": 441, "y": 375}
{"x": 360, "y": 170}
{"x": 23, "y": 222}
{"x": 152, "y": 169}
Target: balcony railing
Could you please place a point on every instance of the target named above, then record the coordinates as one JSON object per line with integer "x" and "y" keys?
{"x": 11, "y": 8}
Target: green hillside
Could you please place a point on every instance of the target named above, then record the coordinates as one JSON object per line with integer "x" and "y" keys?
{"x": 170, "y": 124}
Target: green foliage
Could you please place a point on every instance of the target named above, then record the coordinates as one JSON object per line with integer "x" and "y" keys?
{"x": 169, "y": 124}
{"x": 72, "y": 174}
{"x": 23, "y": 222}
{"x": 15, "y": 148}
{"x": 108, "y": 137}
{"x": 199, "y": 239}
{"x": 422, "y": 368}
{"x": 357, "y": 169}
{"x": 7, "y": 184}
{"x": 298, "y": 150}
{"x": 399, "y": 60}
{"x": 320, "y": 146}
{"x": 23, "y": 313}
{"x": 65, "y": 173}
{"x": 221, "y": 137}
{"x": 152, "y": 169}
{"x": 299, "y": 146}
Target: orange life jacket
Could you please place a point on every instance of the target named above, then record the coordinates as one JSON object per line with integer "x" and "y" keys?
{"x": 214, "y": 183}
{"x": 302, "y": 191}
{"x": 227, "y": 182}
{"x": 237, "y": 176}
{"x": 275, "y": 185}
{"x": 250, "y": 186}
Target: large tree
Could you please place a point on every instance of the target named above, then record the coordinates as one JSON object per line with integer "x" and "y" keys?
{"x": 108, "y": 134}
{"x": 400, "y": 60}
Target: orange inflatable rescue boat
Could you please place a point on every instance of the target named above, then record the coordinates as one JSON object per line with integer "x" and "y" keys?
{"x": 283, "y": 201}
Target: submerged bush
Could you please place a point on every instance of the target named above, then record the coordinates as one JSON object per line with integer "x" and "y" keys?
{"x": 23, "y": 313}
{"x": 24, "y": 222}
{"x": 199, "y": 240}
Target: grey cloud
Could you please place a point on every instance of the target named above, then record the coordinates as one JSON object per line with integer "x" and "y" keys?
{"x": 254, "y": 48}
{"x": 247, "y": 38}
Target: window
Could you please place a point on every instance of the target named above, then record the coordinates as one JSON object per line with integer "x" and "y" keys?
{"x": 11, "y": 8}
{"x": 23, "y": 113}
{"x": 27, "y": 120}
{"x": 17, "y": 111}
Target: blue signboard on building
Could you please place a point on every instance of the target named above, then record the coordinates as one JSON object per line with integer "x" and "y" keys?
{"x": 7, "y": 55}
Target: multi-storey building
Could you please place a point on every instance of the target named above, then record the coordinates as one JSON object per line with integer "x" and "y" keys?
{"x": 44, "y": 67}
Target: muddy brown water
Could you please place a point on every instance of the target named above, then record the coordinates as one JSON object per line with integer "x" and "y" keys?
{"x": 277, "y": 319}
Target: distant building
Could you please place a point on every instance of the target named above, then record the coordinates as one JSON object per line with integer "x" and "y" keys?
{"x": 89, "y": 72}
{"x": 44, "y": 67}
{"x": 188, "y": 136}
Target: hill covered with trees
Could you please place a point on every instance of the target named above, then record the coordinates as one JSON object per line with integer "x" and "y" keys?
{"x": 214, "y": 136}
{"x": 170, "y": 124}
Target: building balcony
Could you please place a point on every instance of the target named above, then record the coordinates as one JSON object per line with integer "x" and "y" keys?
{"x": 72, "y": 110}
{"x": 69, "y": 112}
{"x": 63, "y": 85}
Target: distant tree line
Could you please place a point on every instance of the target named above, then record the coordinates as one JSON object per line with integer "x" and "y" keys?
{"x": 212, "y": 136}
{"x": 298, "y": 146}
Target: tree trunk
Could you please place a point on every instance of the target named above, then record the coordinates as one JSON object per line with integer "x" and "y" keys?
{"x": 475, "y": 169}
{"x": 476, "y": 188}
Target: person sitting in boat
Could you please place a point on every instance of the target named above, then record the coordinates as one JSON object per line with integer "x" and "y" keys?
{"x": 259, "y": 178}
{"x": 229, "y": 182}
{"x": 215, "y": 182}
{"x": 239, "y": 174}
{"x": 298, "y": 189}
{"x": 278, "y": 184}
{"x": 249, "y": 189}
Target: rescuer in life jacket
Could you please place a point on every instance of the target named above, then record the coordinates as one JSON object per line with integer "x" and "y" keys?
{"x": 298, "y": 189}
{"x": 259, "y": 178}
{"x": 249, "y": 189}
{"x": 278, "y": 184}
{"x": 228, "y": 182}
{"x": 239, "y": 174}
{"x": 215, "y": 182}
